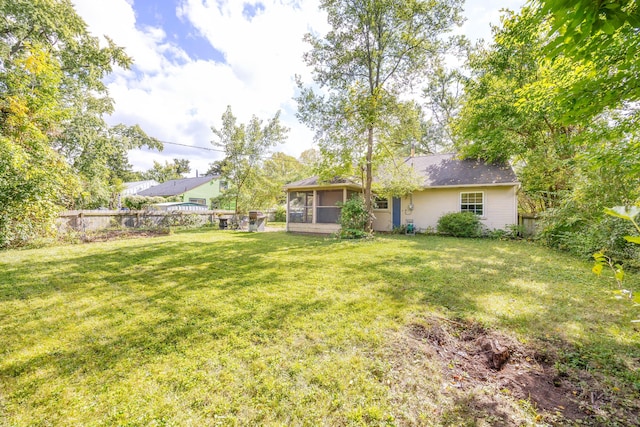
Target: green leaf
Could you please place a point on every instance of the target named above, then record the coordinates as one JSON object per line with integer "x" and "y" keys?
{"x": 623, "y": 212}
{"x": 633, "y": 239}
{"x": 597, "y": 269}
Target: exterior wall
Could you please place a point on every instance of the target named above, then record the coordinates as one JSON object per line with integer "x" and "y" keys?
{"x": 500, "y": 207}
{"x": 313, "y": 228}
{"x": 324, "y": 198}
{"x": 383, "y": 219}
{"x": 207, "y": 191}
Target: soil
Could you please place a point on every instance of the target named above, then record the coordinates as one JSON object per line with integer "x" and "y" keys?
{"x": 489, "y": 378}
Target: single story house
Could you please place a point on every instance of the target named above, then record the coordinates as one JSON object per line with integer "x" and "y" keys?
{"x": 200, "y": 190}
{"x": 133, "y": 188}
{"x": 179, "y": 206}
{"x": 450, "y": 184}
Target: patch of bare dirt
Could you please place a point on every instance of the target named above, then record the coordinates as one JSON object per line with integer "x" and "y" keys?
{"x": 461, "y": 373}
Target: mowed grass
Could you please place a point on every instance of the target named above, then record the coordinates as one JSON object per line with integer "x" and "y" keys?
{"x": 232, "y": 328}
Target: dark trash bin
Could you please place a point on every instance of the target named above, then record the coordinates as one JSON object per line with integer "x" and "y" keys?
{"x": 223, "y": 224}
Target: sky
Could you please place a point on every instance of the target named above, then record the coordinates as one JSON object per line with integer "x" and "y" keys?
{"x": 193, "y": 58}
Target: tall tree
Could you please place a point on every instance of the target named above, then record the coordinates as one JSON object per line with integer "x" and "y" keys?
{"x": 604, "y": 33}
{"x": 244, "y": 146}
{"x": 51, "y": 73}
{"x": 509, "y": 112}
{"x": 277, "y": 171}
{"x": 443, "y": 98}
{"x": 376, "y": 50}
{"x": 168, "y": 171}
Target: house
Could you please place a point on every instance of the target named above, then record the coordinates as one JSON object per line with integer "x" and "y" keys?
{"x": 312, "y": 206}
{"x": 200, "y": 190}
{"x": 133, "y": 188}
{"x": 179, "y": 206}
{"x": 449, "y": 184}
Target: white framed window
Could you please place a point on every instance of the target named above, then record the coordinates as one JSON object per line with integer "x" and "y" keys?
{"x": 472, "y": 202}
{"x": 381, "y": 203}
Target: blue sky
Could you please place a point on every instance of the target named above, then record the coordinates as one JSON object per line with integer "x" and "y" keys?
{"x": 192, "y": 58}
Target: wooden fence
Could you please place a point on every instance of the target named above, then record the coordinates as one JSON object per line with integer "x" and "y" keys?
{"x": 529, "y": 223}
{"x": 93, "y": 220}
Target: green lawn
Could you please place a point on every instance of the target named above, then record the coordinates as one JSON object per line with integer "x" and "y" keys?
{"x": 233, "y": 328}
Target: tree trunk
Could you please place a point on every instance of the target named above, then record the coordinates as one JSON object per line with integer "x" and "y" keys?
{"x": 369, "y": 179}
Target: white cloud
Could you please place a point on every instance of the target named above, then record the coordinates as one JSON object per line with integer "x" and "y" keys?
{"x": 179, "y": 100}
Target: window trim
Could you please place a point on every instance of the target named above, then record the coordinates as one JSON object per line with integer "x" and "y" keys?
{"x": 482, "y": 203}
{"x": 381, "y": 199}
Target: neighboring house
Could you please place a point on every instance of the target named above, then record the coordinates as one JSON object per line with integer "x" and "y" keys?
{"x": 450, "y": 185}
{"x": 179, "y": 206}
{"x": 133, "y": 188}
{"x": 200, "y": 190}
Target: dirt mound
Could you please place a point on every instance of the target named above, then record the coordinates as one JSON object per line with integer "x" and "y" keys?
{"x": 493, "y": 379}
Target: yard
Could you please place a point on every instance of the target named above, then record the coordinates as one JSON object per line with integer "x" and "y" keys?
{"x": 232, "y": 328}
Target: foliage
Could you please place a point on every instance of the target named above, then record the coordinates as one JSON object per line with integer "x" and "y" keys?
{"x": 244, "y": 146}
{"x": 443, "y": 99}
{"x": 603, "y": 260}
{"x": 182, "y": 219}
{"x": 396, "y": 178}
{"x": 374, "y": 52}
{"x": 276, "y": 171}
{"x": 602, "y": 33}
{"x": 167, "y": 172}
{"x": 57, "y": 151}
{"x": 354, "y": 219}
{"x": 508, "y": 112}
{"x": 141, "y": 202}
{"x": 280, "y": 214}
{"x": 459, "y": 224}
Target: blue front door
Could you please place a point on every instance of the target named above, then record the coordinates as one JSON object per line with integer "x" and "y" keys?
{"x": 396, "y": 212}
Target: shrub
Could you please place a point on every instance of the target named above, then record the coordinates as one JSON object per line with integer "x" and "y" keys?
{"x": 280, "y": 214}
{"x": 459, "y": 224}
{"x": 180, "y": 219}
{"x": 141, "y": 202}
{"x": 354, "y": 219}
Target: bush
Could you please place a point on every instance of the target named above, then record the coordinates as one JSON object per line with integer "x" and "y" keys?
{"x": 459, "y": 224}
{"x": 180, "y": 219}
{"x": 354, "y": 219}
{"x": 280, "y": 214}
{"x": 137, "y": 203}
{"x": 569, "y": 231}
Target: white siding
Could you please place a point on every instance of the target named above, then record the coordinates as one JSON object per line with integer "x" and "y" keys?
{"x": 383, "y": 220}
{"x": 295, "y": 227}
{"x": 500, "y": 207}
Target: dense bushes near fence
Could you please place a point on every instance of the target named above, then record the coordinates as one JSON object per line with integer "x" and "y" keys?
{"x": 141, "y": 202}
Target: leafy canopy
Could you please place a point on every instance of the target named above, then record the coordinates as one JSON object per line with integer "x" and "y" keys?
{"x": 244, "y": 147}
{"x": 375, "y": 51}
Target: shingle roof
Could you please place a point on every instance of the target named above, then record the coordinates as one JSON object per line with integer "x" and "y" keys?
{"x": 176, "y": 187}
{"x": 314, "y": 181}
{"x": 443, "y": 170}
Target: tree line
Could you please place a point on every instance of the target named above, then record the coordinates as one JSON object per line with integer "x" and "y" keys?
{"x": 554, "y": 93}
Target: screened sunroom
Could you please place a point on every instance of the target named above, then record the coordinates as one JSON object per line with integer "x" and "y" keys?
{"x": 314, "y": 207}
